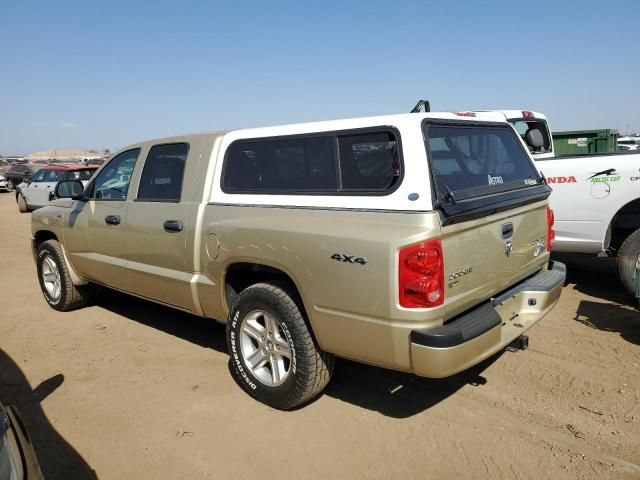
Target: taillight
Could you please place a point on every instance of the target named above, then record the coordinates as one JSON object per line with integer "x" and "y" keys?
{"x": 421, "y": 275}
{"x": 551, "y": 233}
{"x": 528, "y": 115}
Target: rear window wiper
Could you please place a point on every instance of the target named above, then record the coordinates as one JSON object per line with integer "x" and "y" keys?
{"x": 448, "y": 196}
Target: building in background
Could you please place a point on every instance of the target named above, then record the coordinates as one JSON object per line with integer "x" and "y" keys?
{"x": 66, "y": 156}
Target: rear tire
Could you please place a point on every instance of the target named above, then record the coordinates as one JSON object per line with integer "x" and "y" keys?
{"x": 287, "y": 347}
{"x": 22, "y": 203}
{"x": 55, "y": 282}
{"x": 627, "y": 258}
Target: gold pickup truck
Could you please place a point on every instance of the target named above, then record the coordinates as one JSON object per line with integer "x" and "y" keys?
{"x": 417, "y": 242}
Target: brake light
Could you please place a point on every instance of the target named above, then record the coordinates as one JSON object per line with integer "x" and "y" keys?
{"x": 528, "y": 115}
{"x": 551, "y": 233}
{"x": 464, "y": 114}
{"x": 421, "y": 275}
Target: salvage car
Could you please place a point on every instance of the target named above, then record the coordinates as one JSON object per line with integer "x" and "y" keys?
{"x": 18, "y": 173}
{"x": 37, "y": 191}
{"x": 17, "y": 458}
{"x": 5, "y": 165}
{"x": 415, "y": 242}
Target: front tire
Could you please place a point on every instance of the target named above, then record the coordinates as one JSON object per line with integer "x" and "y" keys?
{"x": 628, "y": 256}
{"x": 274, "y": 356}
{"x": 55, "y": 282}
{"x": 22, "y": 203}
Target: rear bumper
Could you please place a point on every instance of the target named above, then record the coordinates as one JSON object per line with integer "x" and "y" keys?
{"x": 487, "y": 329}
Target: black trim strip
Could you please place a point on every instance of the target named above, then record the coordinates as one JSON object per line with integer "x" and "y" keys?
{"x": 309, "y": 207}
{"x": 464, "y": 210}
{"x": 463, "y": 329}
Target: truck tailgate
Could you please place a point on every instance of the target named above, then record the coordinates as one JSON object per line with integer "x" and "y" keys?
{"x": 485, "y": 256}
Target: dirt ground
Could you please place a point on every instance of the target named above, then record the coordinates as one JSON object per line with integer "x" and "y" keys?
{"x": 128, "y": 389}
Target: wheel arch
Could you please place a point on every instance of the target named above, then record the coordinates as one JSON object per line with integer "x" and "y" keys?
{"x": 241, "y": 275}
{"x": 624, "y": 223}
{"x": 41, "y": 236}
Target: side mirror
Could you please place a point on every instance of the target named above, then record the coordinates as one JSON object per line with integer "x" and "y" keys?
{"x": 26, "y": 180}
{"x": 72, "y": 189}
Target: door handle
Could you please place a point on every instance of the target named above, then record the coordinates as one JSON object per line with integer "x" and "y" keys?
{"x": 112, "y": 219}
{"x": 507, "y": 230}
{"x": 172, "y": 226}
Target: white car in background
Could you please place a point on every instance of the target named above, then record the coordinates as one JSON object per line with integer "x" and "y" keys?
{"x": 3, "y": 184}
{"x": 37, "y": 191}
{"x": 627, "y": 148}
{"x": 629, "y": 143}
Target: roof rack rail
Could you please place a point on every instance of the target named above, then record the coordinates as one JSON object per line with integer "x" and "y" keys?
{"x": 421, "y": 106}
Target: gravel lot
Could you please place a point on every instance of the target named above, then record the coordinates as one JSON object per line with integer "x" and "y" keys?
{"x": 128, "y": 389}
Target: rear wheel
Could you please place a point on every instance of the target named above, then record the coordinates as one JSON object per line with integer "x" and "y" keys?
{"x": 55, "y": 282}
{"x": 629, "y": 263}
{"x": 274, "y": 356}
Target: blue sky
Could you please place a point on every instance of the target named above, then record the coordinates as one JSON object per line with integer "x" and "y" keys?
{"x": 84, "y": 74}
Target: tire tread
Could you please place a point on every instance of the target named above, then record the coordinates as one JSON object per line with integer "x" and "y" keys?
{"x": 626, "y": 253}
{"x": 314, "y": 366}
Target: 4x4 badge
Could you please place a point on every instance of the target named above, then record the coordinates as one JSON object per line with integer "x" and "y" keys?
{"x": 508, "y": 248}
{"x": 341, "y": 257}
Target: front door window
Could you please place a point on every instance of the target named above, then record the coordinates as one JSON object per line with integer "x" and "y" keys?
{"x": 112, "y": 183}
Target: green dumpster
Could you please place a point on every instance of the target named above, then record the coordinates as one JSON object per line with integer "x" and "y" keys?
{"x": 585, "y": 141}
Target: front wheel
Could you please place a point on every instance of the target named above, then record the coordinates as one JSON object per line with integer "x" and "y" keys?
{"x": 22, "y": 203}
{"x": 55, "y": 282}
{"x": 274, "y": 356}
{"x": 10, "y": 185}
{"x": 629, "y": 263}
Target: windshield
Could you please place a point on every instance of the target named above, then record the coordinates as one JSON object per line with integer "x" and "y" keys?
{"x": 468, "y": 161}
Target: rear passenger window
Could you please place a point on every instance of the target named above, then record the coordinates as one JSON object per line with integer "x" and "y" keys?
{"x": 161, "y": 179}
{"x": 328, "y": 164}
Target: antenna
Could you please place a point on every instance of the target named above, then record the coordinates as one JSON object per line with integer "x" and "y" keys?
{"x": 421, "y": 106}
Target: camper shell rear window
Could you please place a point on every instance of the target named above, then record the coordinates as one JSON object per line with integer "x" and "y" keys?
{"x": 471, "y": 160}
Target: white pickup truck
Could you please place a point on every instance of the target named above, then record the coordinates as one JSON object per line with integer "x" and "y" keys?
{"x": 596, "y": 197}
